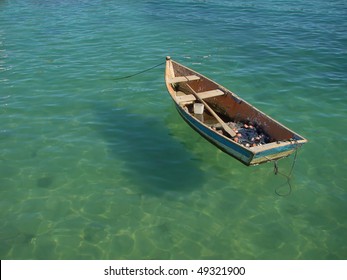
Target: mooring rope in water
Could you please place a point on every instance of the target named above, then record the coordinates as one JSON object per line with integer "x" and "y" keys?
{"x": 138, "y": 73}
{"x": 288, "y": 177}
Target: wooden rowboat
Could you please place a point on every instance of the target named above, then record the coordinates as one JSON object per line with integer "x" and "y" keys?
{"x": 227, "y": 121}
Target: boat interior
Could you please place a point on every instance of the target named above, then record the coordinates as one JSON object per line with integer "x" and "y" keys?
{"x": 230, "y": 108}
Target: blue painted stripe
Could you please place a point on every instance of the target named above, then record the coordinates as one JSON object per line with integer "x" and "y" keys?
{"x": 276, "y": 150}
{"x": 224, "y": 144}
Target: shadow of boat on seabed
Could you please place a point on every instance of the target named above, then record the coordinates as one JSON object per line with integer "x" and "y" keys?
{"x": 152, "y": 158}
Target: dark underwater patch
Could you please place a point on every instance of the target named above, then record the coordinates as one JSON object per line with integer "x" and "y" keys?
{"x": 45, "y": 182}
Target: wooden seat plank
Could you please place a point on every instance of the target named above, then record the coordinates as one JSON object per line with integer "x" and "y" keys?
{"x": 202, "y": 95}
{"x": 182, "y": 79}
{"x": 210, "y": 93}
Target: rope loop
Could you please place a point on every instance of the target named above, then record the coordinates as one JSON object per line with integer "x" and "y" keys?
{"x": 288, "y": 177}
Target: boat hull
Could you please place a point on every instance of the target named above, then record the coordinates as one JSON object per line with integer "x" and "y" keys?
{"x": 189, "y": 86}
{"x": 242, "y": 154}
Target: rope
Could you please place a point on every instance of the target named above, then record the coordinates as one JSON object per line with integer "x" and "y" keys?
{"x": 140, "y": 72}
{"x": 288, "y": 177}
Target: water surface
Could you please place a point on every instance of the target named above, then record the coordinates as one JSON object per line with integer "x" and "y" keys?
{"x": 92, "y": 167}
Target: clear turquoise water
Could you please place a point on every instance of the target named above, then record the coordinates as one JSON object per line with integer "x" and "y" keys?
{"x": 97, "y": 168}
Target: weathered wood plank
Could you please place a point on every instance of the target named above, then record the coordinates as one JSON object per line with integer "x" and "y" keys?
{"x": 202, "y": 95}
{"x": 182, "y": 79}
